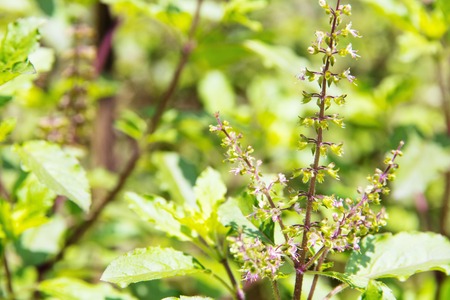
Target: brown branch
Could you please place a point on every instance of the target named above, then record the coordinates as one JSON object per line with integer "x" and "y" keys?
{"x": 335, "y": 291}
{"x": 316, "y": 277}
{"x": 79, "y": 231}
{"x": 185, "y": 54}
{"x": 237, "y": 289}
{"x": 4, "y": 192}
{"x": 9, "y": 284}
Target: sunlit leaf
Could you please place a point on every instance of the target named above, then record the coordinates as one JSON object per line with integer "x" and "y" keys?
{"x": 6, "y": 126}
{"x": 157, "y": 211}
{"x": 148, "y": 264}
{"x": 400, "y": 256}
{"x": 377, "y": 291}
{"x": 131, "y": 124}
{"x": 172, "y": 178}
{"x": 46, "y": 238}
{"x": 188, "y": 298}
{"x": 216, "y": 93}
{"x": 19, "y": 41}
{"x": 417, "y": 170}
{"x": 276, "y": 56}
{"x": 57, "y": 169}
{"x": 209, "y": 190}
{"x": 238, "y": 10}
{"x": 75, "y": 289}
{"x": 230, "y": 215}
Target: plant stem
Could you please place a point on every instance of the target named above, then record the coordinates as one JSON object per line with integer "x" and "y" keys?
{"x": 227, "y": 286}
{"x": 300, "y": 265}
{"x": 276, "y": 290}
{"x": 185, "y": 54}
{"x": 315, "y": 257}
{"x": 316, "y": 277}
{"x": 4, "y": 192}
{"x": 265, "y": 190}
{"x": 82, "y": 228}
{"x": 336, "y": 290}
{"x": 8, "y": 276}
{"x": 237, "y": 289}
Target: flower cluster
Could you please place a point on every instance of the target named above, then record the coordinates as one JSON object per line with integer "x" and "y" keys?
{"x": 353, "y": 219}
{"x": 258, "y": 260}
{"x": 246, "y": 164}
{"x": 307, "y": 243}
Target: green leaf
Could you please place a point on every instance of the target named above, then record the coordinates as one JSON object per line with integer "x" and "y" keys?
{"x": 237, "y": 11}
{"x": 412, "y": 16}
{"x": 20, "y": 40}
{"x": 6, "y": 222}
{"x": 188, "y": 298}
{"x": 209, "y": 191}
{"x": 46, "y": 238}
{"x": 279, "y": 57}
{"x": 216, "y": 93}
{"x": 5, "y": 99}
{"x": 400, "y": 255}
{"x": 47, "y": 6}
{"x": 230, "y": 215}
{"x": 6, "y": 127}
{"x": 167, "y": 12}
{"x": 157, "y": 211}
{"x": 172, "y": 178}
{"x": 148, "y": 264}
{"x": 353, "y": 281}
{"x": 131, "y": 124}
{"x": 418, "y": 171}
{"x": 377, "y": 290}
{"x": 34, "y": 201}
{"x": 75, "y": 289}
{"x": 57, "y": 169}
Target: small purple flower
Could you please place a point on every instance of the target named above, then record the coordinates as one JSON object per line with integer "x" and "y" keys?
{"x": 320, "y": 36}
{"x": 282, "y": 179}
{"x": 352, "y": 31}
{"x": 252, "y": 277}
{"x": 349, "y": 76}
{"x": 235, "y": 171}
{"x": 293, "y": 249}
{"x": 302, "y": 74}
{"x": 352, "y": 52}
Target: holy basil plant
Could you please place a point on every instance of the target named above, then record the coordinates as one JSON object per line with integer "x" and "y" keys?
{"x": 282, "y": 227}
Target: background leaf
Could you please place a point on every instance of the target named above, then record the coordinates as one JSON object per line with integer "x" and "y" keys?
{"x": 147, "y": 264}
{"x": 76, "y": 289}
{"x": 157, "y": 211}
{"x": 57, "y": 169}
{"x": 400, "y": 255}
{"x": 216, "y": 93}
{"x": 19, "y": 41}
{"x": 209, "y": 190}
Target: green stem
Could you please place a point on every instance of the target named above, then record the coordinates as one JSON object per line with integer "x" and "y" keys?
{"x": 301, "y": 264}
{"x": 8, "y": 276}
{"x": 316, "y": 277}
{"x": 238, "y": 292}
{"x": 265, "y": 190}
{"x": 276, "y": 290}
{"x": 225, "y": 284}
{"x": 316, "y": 256}
{"x": 335, "y": 291}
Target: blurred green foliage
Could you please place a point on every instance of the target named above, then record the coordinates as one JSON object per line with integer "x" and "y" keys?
{"x": 244, "y": 63}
